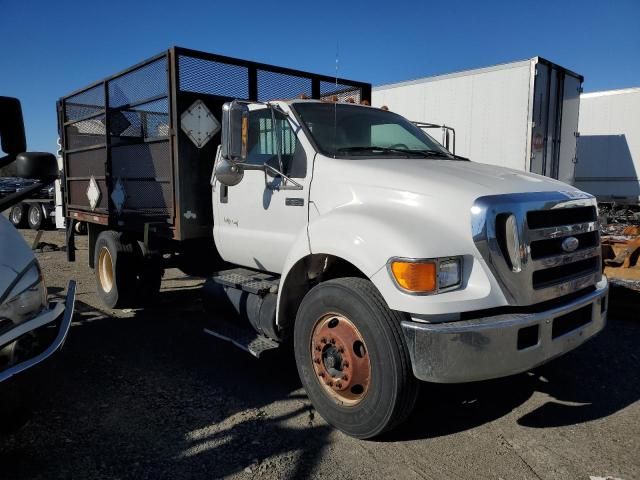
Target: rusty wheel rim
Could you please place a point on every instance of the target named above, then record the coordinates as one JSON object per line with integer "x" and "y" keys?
{"x": 340, "y": 359}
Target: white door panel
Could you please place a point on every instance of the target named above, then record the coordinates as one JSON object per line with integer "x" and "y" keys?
{"x": 256, "y": 224}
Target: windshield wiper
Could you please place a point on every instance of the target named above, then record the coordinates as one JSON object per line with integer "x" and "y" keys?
{"x": 373, "y": 148}
{"x": 438, "y": 153}
{"x": 423, "y": 153}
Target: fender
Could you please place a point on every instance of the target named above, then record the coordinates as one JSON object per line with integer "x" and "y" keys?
{"x": 368, "y": 235}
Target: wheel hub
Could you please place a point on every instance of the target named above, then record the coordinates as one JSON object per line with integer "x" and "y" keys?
{"x": 340, "y": 359}
{"x": 105, "y": 270}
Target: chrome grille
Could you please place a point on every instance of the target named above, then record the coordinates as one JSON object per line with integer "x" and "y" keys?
{"x": 544, "y": 220}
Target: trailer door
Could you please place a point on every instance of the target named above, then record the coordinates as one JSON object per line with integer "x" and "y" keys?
{"x": 546, "y": 118}
{"x": 569, "y": 128}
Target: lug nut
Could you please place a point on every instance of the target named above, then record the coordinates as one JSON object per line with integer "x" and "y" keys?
{"x": 321, "y": 374}
{"x": 345, "y": 378}
{"x": 345, "y": 364}
{"x": 323, "y": 340}
{"x": 341, "y": 350}
{"x": 339, "y": 385}
{"x": 333, "y": 341}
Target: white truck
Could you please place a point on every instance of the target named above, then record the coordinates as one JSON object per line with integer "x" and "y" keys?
{"x": 345, "y": 228}
{"x": 31, "y": 327}
{"x": 608, "y": 164}
{"x": 521, "y": 115}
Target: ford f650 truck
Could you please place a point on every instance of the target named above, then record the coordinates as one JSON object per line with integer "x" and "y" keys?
{"x": 344, "y": 227}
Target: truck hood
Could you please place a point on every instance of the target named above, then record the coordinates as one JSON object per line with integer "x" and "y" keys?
{"x": 370, "y": 211}
{"x": 444, "y": 178}
{"x": 15, "y": 254}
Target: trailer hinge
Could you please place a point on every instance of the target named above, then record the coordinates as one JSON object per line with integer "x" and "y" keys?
{"x": 580, "y": 90}
{"x": 576, "y": 134}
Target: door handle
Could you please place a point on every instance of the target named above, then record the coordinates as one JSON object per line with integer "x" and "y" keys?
{"x": 224, "y": 194}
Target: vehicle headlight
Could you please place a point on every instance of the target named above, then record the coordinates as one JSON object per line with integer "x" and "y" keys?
{"x": 427, "y": 276}
{"x": 26, "y": 299}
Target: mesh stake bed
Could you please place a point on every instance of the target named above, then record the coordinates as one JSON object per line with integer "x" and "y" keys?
{"x": 128, "y": 161}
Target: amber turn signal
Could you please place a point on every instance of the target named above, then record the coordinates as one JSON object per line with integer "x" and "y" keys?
{"x": 415, "y": 276}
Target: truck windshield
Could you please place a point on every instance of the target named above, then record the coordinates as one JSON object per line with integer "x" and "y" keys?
{"x": 343, "y": 130}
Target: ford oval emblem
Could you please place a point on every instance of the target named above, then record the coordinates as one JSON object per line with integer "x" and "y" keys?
{"x": 570, "y": 244}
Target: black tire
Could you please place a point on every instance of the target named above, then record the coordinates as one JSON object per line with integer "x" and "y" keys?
{"x": 115, "y": 260}
{"x": 35, "y": 217}
{"x": 18, "y": 215}
{"x": 80, "y": 228}
{"x": 392, "y": 389}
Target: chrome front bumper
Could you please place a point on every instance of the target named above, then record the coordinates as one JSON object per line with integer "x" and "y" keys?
{"x": 502, "y": 345}
{"x": 57, "y": 313}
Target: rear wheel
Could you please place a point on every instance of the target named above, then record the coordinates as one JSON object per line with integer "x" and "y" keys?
{"x": 124, "y": 276}
{"x": 352, "y": 358}
{"x": 80, "y": 228}
{"x": 36, "y": 218}
{"x": 115, "y": 261}
{"x": 18, "y": 215}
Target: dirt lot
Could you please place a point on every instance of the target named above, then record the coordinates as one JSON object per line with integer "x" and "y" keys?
{"x": 146, "y": 395}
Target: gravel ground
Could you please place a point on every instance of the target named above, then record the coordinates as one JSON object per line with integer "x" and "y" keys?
{"x": 145, "y": 394}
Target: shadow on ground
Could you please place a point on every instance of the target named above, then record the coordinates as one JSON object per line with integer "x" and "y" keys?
{"x": 151, "y": 396}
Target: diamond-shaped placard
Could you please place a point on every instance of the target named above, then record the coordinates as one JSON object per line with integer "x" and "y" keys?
{"x": 119, "y": 195}
{"x": 199, "y": 124}
{"x": 93, "y": 193}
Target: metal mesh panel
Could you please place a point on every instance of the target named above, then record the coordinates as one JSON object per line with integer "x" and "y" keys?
{"x": 145, "y": 82}
{"x": 148, "y": 197}
{"x": 343, "y": 92}
{"x": 86, "y": 133}
{"x": 84, "y": 164}
{"x": 280, "y": 86}
{"x": 213, "y": 78}
{"x": 78, "y": 194}
{"x": 149, "y": 120}
{"x": 84, "y": 104}
{"x": 141, "y": 160}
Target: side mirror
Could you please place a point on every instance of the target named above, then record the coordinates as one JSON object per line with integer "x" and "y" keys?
{"x": 235, "y": 131}
{"x": 39, "y": 165}
{"x": 229, "y": 173}
{"x": 13, "y": 140}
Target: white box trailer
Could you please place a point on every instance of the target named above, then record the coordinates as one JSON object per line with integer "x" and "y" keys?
{"x": 522, "y": 115}
{"x": 609, "y": 145}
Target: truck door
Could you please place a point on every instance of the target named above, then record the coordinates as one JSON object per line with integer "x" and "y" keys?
{"x": 256, "y": 222}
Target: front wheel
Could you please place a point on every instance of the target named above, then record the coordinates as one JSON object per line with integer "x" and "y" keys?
{"x": 352, "y": 358}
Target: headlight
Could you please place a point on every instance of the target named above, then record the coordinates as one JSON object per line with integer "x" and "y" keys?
{"x": 426, "y": 276}
{"x": 449, "y": 273}
{"x": 27, "y": 298}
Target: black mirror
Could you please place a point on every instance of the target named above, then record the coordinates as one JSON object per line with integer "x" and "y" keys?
{"x": 12, "y": 137}
{"x": 235, "y": 131}
{"x": 39, "y": 165}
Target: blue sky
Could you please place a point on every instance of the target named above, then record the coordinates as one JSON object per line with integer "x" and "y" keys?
{"x": 51, "y": 48}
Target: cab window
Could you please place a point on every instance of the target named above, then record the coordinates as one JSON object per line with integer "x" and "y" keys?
{"x": 267, "y": 135}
